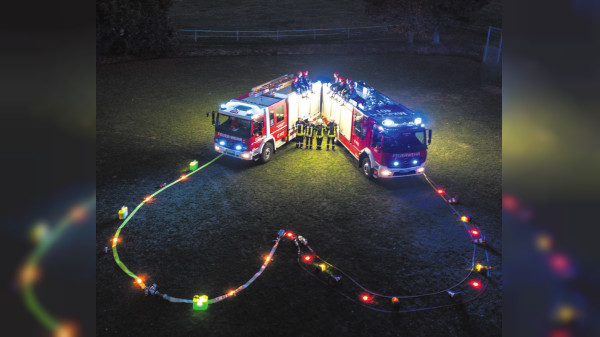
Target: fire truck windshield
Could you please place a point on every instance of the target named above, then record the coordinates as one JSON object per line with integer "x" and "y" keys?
{"x": 400, "y": 141}
{"x": 233, "y": 126}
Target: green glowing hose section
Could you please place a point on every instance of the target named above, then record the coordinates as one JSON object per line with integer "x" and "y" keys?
{"x": 31, "y": 301}
{"x": 114, "y": 245}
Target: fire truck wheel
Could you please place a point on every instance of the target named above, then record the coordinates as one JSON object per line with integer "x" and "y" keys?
{"x": 366, "y": 167}
{"x": 267, "y": 152}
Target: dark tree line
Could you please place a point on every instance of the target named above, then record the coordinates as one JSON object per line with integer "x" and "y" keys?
{"x": 133, "y": 27}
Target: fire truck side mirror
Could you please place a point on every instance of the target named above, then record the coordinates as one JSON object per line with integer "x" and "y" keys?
{"x": 429, "y": 138}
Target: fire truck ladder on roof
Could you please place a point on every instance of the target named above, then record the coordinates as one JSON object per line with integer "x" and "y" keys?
{"x": 273, "y": 85}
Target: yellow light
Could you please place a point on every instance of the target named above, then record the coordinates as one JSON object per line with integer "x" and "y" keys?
{"x": 464, "y": 218}
{"x": 543, "y": 242}
{"x": 39, "y": 232}
{"x": 565, "y": 314}
{"x": 478, "y": 267}
{"x": 386, "y": 172}
{"x": 322, "y": 267}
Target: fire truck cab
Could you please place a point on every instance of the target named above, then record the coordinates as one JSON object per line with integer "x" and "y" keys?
{"x": 253, "y": 126}
{"x": 388, "y": 139}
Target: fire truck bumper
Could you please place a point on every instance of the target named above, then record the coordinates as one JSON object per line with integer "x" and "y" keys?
{"x": 386, "y": 172}
{"x": 245, "y": 155}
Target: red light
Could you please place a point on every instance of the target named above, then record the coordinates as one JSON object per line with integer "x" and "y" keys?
{"x": 307, "y": 258}
{"x": 440, "y": 191}
{"x": 290, "y": 235}
{"x": 366, "y": 298}
{"x": 474, "y": 232}
{"x": 475, "y": 284}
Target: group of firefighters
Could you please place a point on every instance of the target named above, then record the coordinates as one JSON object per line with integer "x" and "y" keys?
{"x": 307, "y": 131}
{"x": 343, "y": 87}
{"x": 302, "y": 83}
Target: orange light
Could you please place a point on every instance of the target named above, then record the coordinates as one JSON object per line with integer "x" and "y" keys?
{"x": 77, "y": 214}
{"x": 183, "y": 177}
{"x": 231, "y": 292}
{"x": 267, "y": 258}
{"x": 67, "y": 329}
{"x": 28, "y": 274}
{"x": 148, "y": 198}
{"x": 139, "y": 280}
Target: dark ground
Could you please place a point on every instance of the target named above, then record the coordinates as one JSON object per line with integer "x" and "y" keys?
{"x": 209, "y": 234}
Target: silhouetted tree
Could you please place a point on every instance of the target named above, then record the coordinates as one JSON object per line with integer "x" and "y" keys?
{"x": 133, "y": 27}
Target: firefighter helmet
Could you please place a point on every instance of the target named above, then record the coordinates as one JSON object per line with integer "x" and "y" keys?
{"x": 295, "y": 79}
{"x": 341, "y": 79}
{"x": 320, "y": 121}
{"x": 299, "y": 74}
{"x": 336, "y": 74}
{"x": 306, "y": 73}
{"x": 348, "y": 80}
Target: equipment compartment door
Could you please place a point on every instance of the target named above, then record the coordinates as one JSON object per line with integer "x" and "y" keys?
{"x": 278, "y": 120}
{"x": 345, "y": 119}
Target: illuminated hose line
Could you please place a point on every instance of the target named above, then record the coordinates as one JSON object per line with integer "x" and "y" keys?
{"x": 33, "y": 260}
{"x": 153, "y": 290}
{"x": 477, "y": 295}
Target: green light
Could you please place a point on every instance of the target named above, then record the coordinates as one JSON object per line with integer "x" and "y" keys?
{"x": 200, "y": 302}
{"x": 194, "y": 165}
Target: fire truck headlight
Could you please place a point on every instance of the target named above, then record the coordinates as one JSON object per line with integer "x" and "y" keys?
{"x": 388, "y": 122}
{"x": 238, "y": 147}
{"x": 222, "y": 105}
{"x": 246, "y": 155}
{"x": 386, "y": 172}
{"x": 217, "y": 148}
{"x": 420, "y": 170}
{"x": 418, "y": 120}
{"x": 222, "y": 142}
{"x": 415, "y": 161}
{"x": 396, "y": 163}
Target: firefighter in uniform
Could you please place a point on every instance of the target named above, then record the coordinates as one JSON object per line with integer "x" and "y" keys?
{"x": 331, "y": 133}
{"x": 307, "y": 81}
{"x": 319, "y": 132}
{"x": 310, "y": 134}
{"x": 296, "y": 86}
{"x": 301, "y": 83}
{"x": 300, "y": 126}
{"x": 338, "y": 86}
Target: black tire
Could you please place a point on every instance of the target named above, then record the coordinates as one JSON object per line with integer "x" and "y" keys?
{"x": 365, "y": 166}
{"x": 267, "y": 153}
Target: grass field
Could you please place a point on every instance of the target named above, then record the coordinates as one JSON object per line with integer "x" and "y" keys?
{"x": 210, "y": 233}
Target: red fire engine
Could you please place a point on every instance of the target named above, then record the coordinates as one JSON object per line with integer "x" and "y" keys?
{"x": 241, "y": 130}
{"x": 388, "y": 139}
